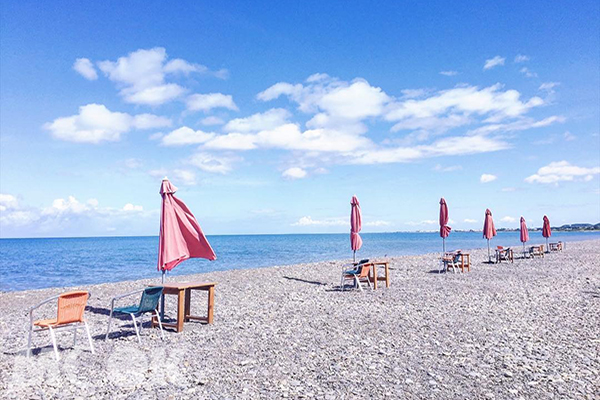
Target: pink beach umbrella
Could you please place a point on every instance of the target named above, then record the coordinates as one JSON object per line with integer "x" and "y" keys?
{"x": 546, "y": 231}
{"x": 444, "y": 228}
{"x": 355, "y": 226}
{"x": 180, "y": 234}
{"x": 489, "y": 230}
{"x": 524, "y": 233}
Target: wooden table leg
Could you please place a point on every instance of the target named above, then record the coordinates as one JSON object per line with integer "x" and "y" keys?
{"x": 387, "y": 275}
{"x": 211, "y": 304}
{"x": 180, "y": 309}
{"x": 188, "y": 299}
{"x": 374, "y": 277}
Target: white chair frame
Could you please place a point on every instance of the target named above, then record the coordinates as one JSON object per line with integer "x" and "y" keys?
{"x": 112, "y": 308}
{"x": 62, "y": 328}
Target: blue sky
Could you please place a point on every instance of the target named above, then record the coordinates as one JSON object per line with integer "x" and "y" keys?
{"x": 268, "y": 117}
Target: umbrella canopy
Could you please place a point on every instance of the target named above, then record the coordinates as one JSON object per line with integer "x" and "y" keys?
{"x": 489, "y": 230}
{"x": 444, "y": 228}
{"x": 355, "y": 224}
{"x": 524, "y": 231}
{"x": 180, "y": 234}
{"x": 546, "y": 231}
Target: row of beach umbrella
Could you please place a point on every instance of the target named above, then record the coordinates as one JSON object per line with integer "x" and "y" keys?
{"x": 489, "y": 230}
{"x": 182, "y": 238}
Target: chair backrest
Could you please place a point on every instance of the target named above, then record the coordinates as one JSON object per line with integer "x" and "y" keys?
{"x": 71, "y": 306}
{"x": 500, "y": 247}
{"x": 364, "y": 270}
{"x": 150, "y": 298}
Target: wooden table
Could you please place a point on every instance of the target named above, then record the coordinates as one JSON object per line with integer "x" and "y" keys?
{"x": 375, "y": 278}
{"x": 184, "y": 295}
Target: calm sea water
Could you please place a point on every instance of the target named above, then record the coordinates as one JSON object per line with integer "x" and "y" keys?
{"x": 43, "y": 263}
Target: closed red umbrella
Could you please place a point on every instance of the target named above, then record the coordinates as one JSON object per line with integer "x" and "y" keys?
{"x": 180, "y": 234}
{"x": 546, "y": 231}
{"x": 489, "y": 230}
{"x": 355, "y": 226}
{"x": 444, "y": 228}
{"x": 524, "y": 233}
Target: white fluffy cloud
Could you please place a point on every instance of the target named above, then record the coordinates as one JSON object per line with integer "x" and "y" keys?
{"x": 212, "y": 120}
{"x": 508, "y": 219}
{"x": 270, "y": 119}
{"x": 494, "y": 62}
{"x": 142, "y": 76}
{"x": 179, "y": 177}
{"x": 212, "y": 163}
{"x": 290, "y": 137}
{"x": 184, "y": 136}
{"x": 449, "y": 73}
{"x": 64, "y": 214}
{"x": 8, "y": 201}
{"x": 132, "y": 208}
{"x": 521, "y": 58}
{"x": 294, "y": 173}
{"x": 95, "y": 123}
{"x": 206, "y": 102}
{"x": 486, "y": 178}
{"x": 85, "y": 68}
{"x": 308, "y": 221}
{"x": 528, "y": 73}
{"x": 560, "y": 171}
{"x": 470, "y": 221}
{"x": 336, "y": 104}
{"x": 454, "y": 107}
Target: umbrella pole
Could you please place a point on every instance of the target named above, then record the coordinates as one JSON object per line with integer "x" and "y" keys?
{"x": 547, "y": 248}
{"x": 444, "y": 244}
{"x": 354, "y": 256}
{"x": 162, "y": 299}
{"x": 489, "y": 257}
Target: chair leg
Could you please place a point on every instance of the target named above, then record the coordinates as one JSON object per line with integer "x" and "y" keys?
{"x": 109, "y": 321}
{"x": 162, "y": 334}
{"x": 29, "y": 342}
{"x": 87, "y": 329}
{"x": 53, "y": 336}
{"x": 136, "y": 328}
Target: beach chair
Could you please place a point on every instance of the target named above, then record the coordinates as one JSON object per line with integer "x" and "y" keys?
{"x": 454, "y": 260}
{"x": 504, "y": 254}
{"x": 358, "y": 275}
{"x": 71, "y": 306}
{"x": 536, "y": 251}
{"x": 556, "y": 246}
{"x": 148, "y": 304}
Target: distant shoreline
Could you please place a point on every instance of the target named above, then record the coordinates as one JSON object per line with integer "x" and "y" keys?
{"x": 563, "y": 228}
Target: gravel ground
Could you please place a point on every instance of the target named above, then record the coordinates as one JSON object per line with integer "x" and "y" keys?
{"x": 525, "y": 330}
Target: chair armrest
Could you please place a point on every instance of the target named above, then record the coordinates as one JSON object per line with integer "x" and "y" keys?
{"x": 114, "y": 299}
{"x": 33, "y": 308}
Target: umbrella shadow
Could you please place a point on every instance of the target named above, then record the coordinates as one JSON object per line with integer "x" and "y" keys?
{"x": 305, "y": 281}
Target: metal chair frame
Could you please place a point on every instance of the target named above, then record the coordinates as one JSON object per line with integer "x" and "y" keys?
{"x": 73, "y": 326}
{"x": 133, "y": 315}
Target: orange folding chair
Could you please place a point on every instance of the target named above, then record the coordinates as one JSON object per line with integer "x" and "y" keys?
{"x": 358, "y": 276}
{"x": 71, "y": 306}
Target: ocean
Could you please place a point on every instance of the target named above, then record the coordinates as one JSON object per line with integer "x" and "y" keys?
{"x": 60, "y": 262}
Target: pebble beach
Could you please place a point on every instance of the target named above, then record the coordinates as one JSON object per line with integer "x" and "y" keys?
{"x": 527, "y": 330}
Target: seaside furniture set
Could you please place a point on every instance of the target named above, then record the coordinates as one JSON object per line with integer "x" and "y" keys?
{"x": 71, "y": 307}
{"x": 504, "y": 254}
{"x": 455, "y": 259}
{"x": 555, "y": 246}
{"x": 365, "y": 272}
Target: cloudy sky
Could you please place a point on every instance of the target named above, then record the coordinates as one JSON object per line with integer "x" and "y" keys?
{"x": 268, "y": 117}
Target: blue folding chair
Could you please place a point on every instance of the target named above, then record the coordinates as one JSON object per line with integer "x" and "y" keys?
{"x": 148, "y": 304}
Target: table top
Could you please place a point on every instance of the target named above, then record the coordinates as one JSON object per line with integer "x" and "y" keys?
{"x": 188, "y": 285}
